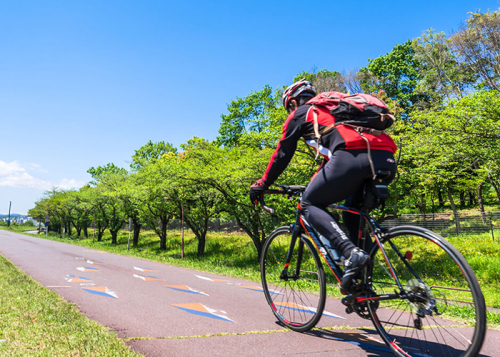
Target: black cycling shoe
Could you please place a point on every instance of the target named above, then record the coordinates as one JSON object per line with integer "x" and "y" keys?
{"x": 352, "y": 266}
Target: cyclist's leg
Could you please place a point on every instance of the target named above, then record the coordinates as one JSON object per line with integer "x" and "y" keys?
{"x": 382, "y": 160}
{"x": 339, "y": 178}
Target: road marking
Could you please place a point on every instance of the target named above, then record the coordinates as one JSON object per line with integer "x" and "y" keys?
{"x": 87, "y": 269}
{"x": 148, "y": 278}
{"x": 310, "y": 310}
{"x": 202, "y": 310}
{"x": 146, "y": 270}
{"x": 95, "y": 262}
{"x": 101, "y": 290}
{"x": 213, "y": 280}
{"x": 186, "y": 289}
{"x": 259, "y": 289}
{"x": 74, "y": 279}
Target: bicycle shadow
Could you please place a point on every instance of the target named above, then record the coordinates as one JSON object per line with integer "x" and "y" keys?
{"x": 373, "y": 346}
{"x": 370, "y": 341}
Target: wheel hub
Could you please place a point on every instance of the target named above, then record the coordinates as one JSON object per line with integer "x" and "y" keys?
{"x": 421, "y": 297}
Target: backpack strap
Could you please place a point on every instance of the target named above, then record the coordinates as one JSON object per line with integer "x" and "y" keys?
{"x": 360, "y": 130}
{"x": 316, "y": 129}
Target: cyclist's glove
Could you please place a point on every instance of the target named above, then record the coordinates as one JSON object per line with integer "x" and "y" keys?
{"x": 256, "y": 189}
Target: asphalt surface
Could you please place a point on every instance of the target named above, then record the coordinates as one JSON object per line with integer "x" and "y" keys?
{"x": 172, "y": 311}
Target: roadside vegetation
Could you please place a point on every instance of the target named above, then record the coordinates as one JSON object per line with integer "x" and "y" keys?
{"x": 35, "y": 321}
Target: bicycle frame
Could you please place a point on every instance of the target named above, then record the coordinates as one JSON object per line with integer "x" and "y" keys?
{"x": 302, "y": 225}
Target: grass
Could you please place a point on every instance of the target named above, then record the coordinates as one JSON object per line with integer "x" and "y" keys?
{"x": 35, "y": 321}
{"x": 235, "y": 255}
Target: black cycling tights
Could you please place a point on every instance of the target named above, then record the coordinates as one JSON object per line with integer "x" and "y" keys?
{"x": 342, "y": 178}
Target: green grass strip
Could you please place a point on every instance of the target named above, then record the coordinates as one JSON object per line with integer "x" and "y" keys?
{"x": 35, "y": 321}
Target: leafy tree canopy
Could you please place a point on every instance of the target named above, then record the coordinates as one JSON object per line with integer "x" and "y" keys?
{"x": 150, "y": 154}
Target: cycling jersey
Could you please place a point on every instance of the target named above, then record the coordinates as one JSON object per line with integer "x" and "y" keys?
{"x": 300, "y": 124}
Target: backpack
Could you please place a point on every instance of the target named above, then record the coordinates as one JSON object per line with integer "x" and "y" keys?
{"x": 363, "y": 112}
{"x": 359, "y": 110}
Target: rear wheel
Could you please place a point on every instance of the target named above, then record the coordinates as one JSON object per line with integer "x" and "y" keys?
{"x": 296, "y": 295}
{"x": 443, "y": 312}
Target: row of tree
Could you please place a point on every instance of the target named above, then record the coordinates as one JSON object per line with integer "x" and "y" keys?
{"x": 445, "y": 91}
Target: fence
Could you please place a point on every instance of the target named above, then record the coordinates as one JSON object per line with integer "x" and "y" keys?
{"x": 215, "y": 225}
{"x": 445, "y": 224}
{"x": 448, "y": 224}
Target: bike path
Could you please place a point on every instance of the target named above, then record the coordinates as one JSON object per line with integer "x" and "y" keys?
{"x": 172, "y": 311}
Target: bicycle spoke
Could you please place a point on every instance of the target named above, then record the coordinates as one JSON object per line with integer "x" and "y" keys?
{"x": 435, "y": 279}
{"x": 303, "y": 292}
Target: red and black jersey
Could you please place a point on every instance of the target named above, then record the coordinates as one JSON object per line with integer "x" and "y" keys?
{"x": 300, "y": 124}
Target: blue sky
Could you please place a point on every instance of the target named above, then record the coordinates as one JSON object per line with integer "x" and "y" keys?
{"x": 85, "y": 83}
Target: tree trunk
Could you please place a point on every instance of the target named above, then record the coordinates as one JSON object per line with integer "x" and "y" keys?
{"x": 137, "y": 229}
{"x": 85, "y": 231}
{"x": 114, "y": 235}
{"x": 201, "y": 244}
{"x": 395, "y": 200}
{"x": 100, "y": 232}
{"x": 471, "y": 199}
{"x": 440, "y": 198}
{"x": 497, "y": 190}
{"x": 480, "y": 201}
{"x": 78, "y": 231}
{"x": 454, "y": 209}
{"x": 462, "y": 199}
{"x": 163, "y": 237}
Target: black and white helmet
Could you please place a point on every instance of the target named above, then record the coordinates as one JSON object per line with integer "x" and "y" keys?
{"x": 302, "y": 87}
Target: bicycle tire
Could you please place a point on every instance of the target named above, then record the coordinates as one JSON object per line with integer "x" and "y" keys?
{"x": 447, "y": 316}
{"x": 296, "y": 301}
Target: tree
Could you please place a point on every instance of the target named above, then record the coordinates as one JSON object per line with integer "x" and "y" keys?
{"x": 443, "y": 77}
{"x": 153, "y": 188}
{"x": 200, "y": 202}
{"x": 150, "y": 153}
{"x": 396, "y": 73}
{"x": 100, "y": 172}
{"x": 231, "y": 172}
{"x": 324, "y": 80}
{"x": 255, "y": 120}
{"x": 477, "y": 45}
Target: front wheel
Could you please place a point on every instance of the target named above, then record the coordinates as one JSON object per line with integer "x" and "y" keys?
{"x": 441, "y": 310}
{"x": 296, "y": 292}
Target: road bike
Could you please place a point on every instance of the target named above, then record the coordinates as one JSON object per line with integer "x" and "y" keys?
{"x": 420, "y": 293}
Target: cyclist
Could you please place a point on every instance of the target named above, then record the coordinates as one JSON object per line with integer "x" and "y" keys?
{"x": 346, "y": 166}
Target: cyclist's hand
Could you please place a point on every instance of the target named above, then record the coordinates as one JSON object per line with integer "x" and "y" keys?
{"x": 255, "y": 190}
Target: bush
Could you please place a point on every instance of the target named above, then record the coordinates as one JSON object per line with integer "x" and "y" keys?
{"x": 28, "y": 224}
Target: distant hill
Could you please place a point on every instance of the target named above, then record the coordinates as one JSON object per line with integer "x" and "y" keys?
{"x": 12, "y": 215}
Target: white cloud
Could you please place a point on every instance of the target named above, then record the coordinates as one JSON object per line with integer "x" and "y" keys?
{"x": 9, "y": 168}
{"x": 66, "y": 184}
{"x": 12, "y": 174}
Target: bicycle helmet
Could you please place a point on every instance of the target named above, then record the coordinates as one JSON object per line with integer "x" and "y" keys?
{"x": 300, "y": 88}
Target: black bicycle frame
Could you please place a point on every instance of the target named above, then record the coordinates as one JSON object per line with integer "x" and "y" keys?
{"x": 302, "y": 225}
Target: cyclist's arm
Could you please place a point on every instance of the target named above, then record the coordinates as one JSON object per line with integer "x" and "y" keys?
{"x": 292, "y": 132}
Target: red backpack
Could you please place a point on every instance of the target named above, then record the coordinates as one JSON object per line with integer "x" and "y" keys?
{"x": 360, "y": 110}
{"x": 363, "y": 112}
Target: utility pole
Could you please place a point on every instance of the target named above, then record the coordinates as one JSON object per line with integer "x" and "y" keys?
{"x": 8, "y": 220}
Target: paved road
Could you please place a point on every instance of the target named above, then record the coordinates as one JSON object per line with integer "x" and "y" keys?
{"x": 155, "y": 303}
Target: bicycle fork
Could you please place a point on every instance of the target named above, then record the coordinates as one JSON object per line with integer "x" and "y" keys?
{"x": 295, "y": 233}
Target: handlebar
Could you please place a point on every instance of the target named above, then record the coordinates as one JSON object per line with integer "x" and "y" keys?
{"x": 290, "y": 191}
